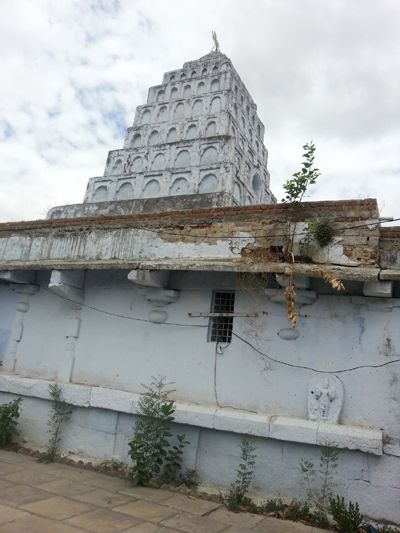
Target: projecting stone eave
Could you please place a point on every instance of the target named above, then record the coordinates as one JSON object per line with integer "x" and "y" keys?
{"x": 236, "y": 239}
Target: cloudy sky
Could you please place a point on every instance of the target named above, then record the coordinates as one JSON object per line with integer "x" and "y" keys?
{"x": 73, "y": 72}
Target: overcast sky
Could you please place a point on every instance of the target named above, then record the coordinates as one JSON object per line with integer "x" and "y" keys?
{"x": 73, "y": 72}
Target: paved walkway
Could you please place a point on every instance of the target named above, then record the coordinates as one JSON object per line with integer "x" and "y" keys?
{"x": 55, "y": 498}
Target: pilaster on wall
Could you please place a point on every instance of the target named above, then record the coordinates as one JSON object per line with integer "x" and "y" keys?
{"x": 22, "y": 307}
{"x": 68, "y": 284}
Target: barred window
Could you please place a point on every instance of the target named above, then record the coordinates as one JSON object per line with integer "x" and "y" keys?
{"x": 220, "y": 329}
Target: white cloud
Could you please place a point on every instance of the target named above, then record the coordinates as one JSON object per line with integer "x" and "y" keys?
{"x": 74, "y": 72}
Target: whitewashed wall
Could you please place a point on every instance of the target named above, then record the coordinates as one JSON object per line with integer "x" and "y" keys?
{"x": 117, "y": 354}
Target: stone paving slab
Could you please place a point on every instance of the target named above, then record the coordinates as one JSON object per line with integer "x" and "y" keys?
{"x": 106, "y": 499}
{"x": 193, "y": 523}
{"x": 190, "y": 505}
{"x": 64, "y": 487}
{"x": 18, "y": 495}
{"x": 146, "y": 493}
{"x": 29, "y": 477}
{"x": 57, "y": 507}
{"x": 147, "y": 527}
{"x": 9, "y": 468}
{"x": 37, "y": 524}
{"x": 9, "y": 514}
{"x": 73, "y": 500}
{"x": 152, "y": 512}
{"x": 15, "y": 458}
{"x": 103, "y": 521}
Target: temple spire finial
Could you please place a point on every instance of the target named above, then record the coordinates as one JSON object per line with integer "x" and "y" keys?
{"x": 215, "y": 48}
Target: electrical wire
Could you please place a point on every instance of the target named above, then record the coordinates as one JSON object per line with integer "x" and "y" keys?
{"x": 218, "y": 348}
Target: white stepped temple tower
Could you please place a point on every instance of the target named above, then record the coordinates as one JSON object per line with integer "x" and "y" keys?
{"x": 197, "y": 142}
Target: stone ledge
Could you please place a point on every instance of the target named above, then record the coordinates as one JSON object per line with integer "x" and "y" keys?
{"x": 222, "y": 419}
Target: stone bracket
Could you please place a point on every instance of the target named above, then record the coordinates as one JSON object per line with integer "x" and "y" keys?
{"x": 159, "y": 297}
{"x": 69, "y": 285}
{"x": 150, "y": 278}
{"x": 378, "y": 289}
{"x": 18, "y": 276}
{"x": 301, "y": 297}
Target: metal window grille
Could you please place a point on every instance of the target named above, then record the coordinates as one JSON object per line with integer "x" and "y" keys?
{"x": 221, "y": 326}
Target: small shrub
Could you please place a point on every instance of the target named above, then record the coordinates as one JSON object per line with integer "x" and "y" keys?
{"x": 298, "y": 510}
{"x": 237, "y": 495}
{"x": 272, "y": 506}
{"x": 348, "y": 519}
{"x": 320, "y": 483}
{"x": 148, "y": 448}
{"x": 60, "y": 413}
{"x": 189, "y": 478}
{"x": 173, "y": 460}
{"x": 324, "y": 232}
{"x": 9, "y": 412}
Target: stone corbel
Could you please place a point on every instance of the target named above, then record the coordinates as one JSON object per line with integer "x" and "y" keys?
{"x": 153, "y": 286}
{"x": 18, "y": 276}
{"x": 69, "y": 285}
{"x": 378, "y": 289}
{"x": 159, "y": 297}
{"x": 150, "y": 278}
{"x": 301, "y": 298}
{"x": 301, "y": 285}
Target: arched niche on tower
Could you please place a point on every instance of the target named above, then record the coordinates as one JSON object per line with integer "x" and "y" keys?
{"x": 162, "y": 114}
{"x": 158, "y": 162}
{"x": 125, "y": 192}
{"x": 211, "y": 129}
{"x": 215, "y": 85}
{"x": 216, "y": 105}
{"x": 136, "y": 141}
{"x": 197, "y": 108}
{"x": 160, "y": 96}
{"x": 204, "y": 72}
{"x": 117, "y": 166}
{"x": 182, "y": 159}
{"x": 179, "y": 111}
{"x": 179, "y": 186}
{"x": 146, "y": 116}
{"x": 191, "y": 132}
{"x": 151, "y": 189}
{"x": 172, "y": 135}
{"x": 256, "y": 185}
{"x": 201, "y": 88}
{"x": 242, "y": 124}
{"x": 208, "y": 184}
{"x": 209, "y": 156}
{"x": 100, "y": 194}
{"x": 153, "y": 139}
{"x": 174, "y": 93}
{"x": 187, "y": 91}
{"x": 235, "y": 111}
{"x": 137, "y": 164}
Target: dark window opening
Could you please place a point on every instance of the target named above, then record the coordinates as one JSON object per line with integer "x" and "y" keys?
{"x": 221, "y": 326}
